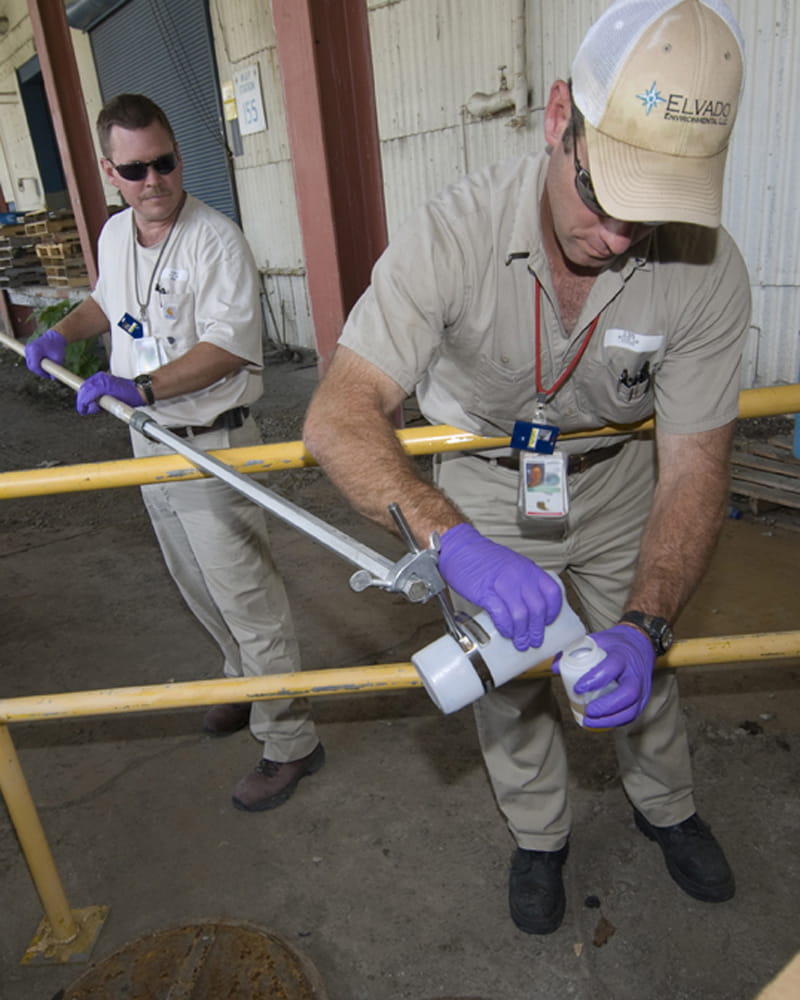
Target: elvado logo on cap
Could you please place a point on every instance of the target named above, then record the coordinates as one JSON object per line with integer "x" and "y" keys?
{"x": 658, "y": 83}
{"x": 700, "y": 112}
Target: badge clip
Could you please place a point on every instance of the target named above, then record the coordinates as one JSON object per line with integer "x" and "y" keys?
{"x": 131, "y": 326}
{"x": 540, "y": 438}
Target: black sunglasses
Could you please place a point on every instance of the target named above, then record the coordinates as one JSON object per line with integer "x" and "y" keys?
{"x": 137, "y": 170}
{"x": 583, "y": 179}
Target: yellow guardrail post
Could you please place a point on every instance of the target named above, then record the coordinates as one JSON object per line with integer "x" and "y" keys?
{"x": 64, "y": 935}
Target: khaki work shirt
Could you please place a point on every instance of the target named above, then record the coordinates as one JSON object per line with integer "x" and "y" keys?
{"x": 450, "y": 313}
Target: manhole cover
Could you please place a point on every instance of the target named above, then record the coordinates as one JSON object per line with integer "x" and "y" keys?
{"x": 201, "y": 961}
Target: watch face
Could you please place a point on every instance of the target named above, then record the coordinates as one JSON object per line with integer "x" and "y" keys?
{"x": 666, "y": 638}
{"x": 658, "y": 630}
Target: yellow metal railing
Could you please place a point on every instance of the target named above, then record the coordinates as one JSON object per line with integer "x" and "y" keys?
{"x": 774, "y": 401}
{"x": 67, "y": 935}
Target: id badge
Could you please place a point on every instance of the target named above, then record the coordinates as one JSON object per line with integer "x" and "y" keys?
{"x": 147, "y": 353}
{"x": 543, "y": 493}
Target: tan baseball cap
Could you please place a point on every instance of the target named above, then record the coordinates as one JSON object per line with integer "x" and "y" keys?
{"x": 658, "y": 83}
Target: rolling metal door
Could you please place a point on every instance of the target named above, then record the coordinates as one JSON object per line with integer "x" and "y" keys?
{"x": 165, "y": 51}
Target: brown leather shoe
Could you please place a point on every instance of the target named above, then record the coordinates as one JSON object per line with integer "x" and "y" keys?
{"x": 272, "y": 783}
{"x": 222, "y": 720}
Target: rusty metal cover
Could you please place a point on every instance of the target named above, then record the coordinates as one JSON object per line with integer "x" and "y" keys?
{"x": 226, "y": 961}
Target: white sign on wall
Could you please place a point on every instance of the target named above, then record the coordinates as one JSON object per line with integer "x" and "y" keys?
{"x": 247, "y": 84}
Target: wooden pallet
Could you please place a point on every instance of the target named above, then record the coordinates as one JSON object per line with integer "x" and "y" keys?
{"x": 14, "y": 278}
{"x": 73, "y": 269}
{"x": 48, "y": 226}
{"x": 69, "y": 246}
{"x": 18, "y": 257}
{"x": 20, "y": 240}
{"x": 767, "y": 473}
{"x": 69, "y": 281}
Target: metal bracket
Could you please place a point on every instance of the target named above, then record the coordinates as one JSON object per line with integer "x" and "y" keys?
{"x": 416, "y": 575}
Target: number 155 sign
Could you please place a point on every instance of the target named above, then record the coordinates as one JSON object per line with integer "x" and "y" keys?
{"x": 247, "y": 85}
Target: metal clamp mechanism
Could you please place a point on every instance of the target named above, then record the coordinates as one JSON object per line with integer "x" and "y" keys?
{"x": 417, "y": 575}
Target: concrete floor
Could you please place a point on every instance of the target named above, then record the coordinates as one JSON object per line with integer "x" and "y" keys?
{"x": 388, "y": 869}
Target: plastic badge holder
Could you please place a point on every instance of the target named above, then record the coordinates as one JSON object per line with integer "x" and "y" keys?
{"x": 576, "y": 659}
{"x": 451, "y": 680}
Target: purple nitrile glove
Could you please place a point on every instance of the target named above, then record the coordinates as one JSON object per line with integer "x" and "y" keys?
{"x": 520, "y": 597}
{"x": 105, "y": 384}
{"x": 50, "y": 345}
{"x": 630, "y": 659}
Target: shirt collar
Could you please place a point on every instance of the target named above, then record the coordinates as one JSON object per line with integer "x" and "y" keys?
{"x": 526, "y": 234}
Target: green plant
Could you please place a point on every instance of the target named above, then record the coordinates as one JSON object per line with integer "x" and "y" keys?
{"x": 83, "y": 357}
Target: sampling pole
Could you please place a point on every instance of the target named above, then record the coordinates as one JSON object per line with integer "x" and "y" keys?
{"x": 415, "y": 575}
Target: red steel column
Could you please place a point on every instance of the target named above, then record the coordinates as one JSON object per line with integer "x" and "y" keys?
{"x": 71, "y": 123}
{"x": 326, "y": 66}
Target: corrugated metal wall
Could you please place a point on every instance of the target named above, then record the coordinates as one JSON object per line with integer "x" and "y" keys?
{"x": 762, "y": 209}
{"x": 431, "y": 56}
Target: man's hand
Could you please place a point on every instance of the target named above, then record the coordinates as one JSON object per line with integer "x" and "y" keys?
{"x": 105, "y": 384}
{"x": 520, "y": 597}
{"x": 50, "y": 345}
{"x": 629, "y": 661}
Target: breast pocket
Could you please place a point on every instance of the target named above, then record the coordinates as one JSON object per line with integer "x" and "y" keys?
{"x": 177, "y": 329}
{"x": 619, "y": 386}
{"x": 502, "y": 394}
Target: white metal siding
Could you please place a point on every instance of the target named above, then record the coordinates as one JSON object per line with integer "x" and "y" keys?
{"x": 244, "y": 36}
{"x": 430, "y": 56}
{"x": 762, "y": 209}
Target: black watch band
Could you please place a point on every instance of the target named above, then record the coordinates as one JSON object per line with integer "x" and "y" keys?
{"x": 657, "y": 630}
{"x": 145, "y": 383}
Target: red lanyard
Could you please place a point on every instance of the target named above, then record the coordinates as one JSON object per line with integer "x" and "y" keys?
{"x": 540, "y": 389}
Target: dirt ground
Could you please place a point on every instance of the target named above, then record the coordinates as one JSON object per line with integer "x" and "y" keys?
{"x": 388, "y": 869}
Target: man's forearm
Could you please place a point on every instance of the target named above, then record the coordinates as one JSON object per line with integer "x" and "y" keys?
{"x": 349, "y": 431}
{"x": 685, "y": 521}
{"x": 365, "y": 461}
{"x": 199, "y": 368}
{"x": 85, "y": 321}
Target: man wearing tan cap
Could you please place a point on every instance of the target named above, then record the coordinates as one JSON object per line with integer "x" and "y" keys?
{"x": 587, "y": 286}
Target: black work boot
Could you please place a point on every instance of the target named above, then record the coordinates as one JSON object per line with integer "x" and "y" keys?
{"x": 694, "y": 858}
{"x": 536, "y": 890}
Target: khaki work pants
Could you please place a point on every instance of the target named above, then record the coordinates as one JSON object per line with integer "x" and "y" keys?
{"x": 518, "y": 724}
{"x": 216, "y": 546}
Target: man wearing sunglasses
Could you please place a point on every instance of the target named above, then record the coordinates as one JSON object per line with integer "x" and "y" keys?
{"x": 178, "y": 290}
{"x": 587, "y": 286}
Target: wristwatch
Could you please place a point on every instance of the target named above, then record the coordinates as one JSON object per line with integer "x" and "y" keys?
{"x": 657, "y": 630}
{"x": 145, "y": 383}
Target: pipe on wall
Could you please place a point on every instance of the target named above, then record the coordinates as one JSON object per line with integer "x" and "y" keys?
{"x": 481, "y": 105}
